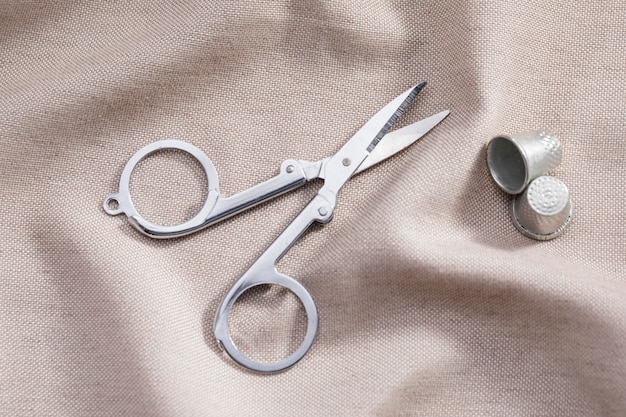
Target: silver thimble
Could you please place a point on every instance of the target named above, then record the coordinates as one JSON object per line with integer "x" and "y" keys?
{"x": 544, "y": 210}
{"x": 515, "y": 160}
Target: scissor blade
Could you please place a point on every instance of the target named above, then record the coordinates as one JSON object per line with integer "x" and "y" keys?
{"x": 341, "y": 166}
{"x": 399, "y": 139}
{"x": 407, "y": 98}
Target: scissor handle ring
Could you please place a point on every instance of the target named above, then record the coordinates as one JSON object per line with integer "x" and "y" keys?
{"x": 222, "y": 331}
{"x": 121, "y": 201}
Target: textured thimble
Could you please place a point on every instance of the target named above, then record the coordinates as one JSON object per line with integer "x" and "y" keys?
{"x": 515, "y": 160}
{"x": 544, "y": 210}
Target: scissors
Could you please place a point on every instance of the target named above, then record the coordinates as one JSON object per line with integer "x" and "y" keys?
{"x": 357, "y": 154}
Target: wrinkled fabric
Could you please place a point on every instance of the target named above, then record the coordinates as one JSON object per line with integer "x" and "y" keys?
{"x": 430, "y": 302}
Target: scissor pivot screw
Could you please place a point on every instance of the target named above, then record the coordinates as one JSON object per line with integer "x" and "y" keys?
{"x": 290, "y": 169}
{"x": 346, "y": 162}
{"x": 323, "y": 211}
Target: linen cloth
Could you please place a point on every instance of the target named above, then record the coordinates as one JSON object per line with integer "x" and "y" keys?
{"x": 430, "y": 302}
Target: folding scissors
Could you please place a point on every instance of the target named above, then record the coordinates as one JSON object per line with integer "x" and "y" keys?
{"x": 359, "y": 153}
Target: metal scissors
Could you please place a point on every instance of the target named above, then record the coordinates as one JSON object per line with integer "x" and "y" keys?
{"x": 359, "y": 153}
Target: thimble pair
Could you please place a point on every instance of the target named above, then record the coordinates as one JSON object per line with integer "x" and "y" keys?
{"x": 542, "y": 207}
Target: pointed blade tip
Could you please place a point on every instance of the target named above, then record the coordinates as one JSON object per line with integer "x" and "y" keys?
{"x": 439, "y": 117}
{"x": 416, "y": 89}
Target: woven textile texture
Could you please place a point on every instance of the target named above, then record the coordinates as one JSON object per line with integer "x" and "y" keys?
{"x": 430, "y": 302}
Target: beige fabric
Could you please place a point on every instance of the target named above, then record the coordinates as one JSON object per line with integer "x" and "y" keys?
{"x": 430, "y": 302}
